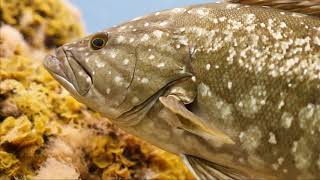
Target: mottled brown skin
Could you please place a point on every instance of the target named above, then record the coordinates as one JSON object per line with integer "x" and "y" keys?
{"x": 252, "y": 72}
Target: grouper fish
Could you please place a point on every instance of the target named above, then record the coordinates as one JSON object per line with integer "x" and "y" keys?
{"x": 233, "y": 88}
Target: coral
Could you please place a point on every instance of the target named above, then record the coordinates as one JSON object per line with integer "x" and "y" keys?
{"x": 42, "y": 22}
{"x": 8, "y": 163}
{"x": 54, "y": 169}
{"x": 11, "y": 42}
{"x": 44, "y": 132}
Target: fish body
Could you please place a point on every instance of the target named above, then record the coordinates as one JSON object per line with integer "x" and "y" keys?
{"x": 234, "y": 89}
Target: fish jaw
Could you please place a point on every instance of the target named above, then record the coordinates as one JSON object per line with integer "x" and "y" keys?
{"x": 67, "y": 71}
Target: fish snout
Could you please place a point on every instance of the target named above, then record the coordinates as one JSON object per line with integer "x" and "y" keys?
{"x": 54, "y": 63}
{"x": 66, "y": 69}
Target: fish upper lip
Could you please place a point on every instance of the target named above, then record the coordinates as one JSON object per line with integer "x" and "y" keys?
{"x": 82, "y": 67}
{"x": 71, "y": 59}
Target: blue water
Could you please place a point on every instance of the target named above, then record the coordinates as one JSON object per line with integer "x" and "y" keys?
{"x": 100, "y": 14}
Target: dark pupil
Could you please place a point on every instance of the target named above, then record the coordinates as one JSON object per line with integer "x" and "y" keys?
{"x": 98, "y": 42}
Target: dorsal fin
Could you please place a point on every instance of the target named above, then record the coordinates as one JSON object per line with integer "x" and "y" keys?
{"x": 309, "y": 7}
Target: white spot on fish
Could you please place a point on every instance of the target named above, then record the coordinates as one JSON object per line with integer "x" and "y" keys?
{"x": 118, "y": 79}
{"x": 183, "y": 40}
{"x": 100, "y": 64}
{"x": 160, "y": 65}
{"x": 283, "y": 25}
{"x": 286, "y": 120}
{"x": 81, "y": 73}
{"x": 275, "y": 166}
{"x": 302, "y": 154}
{"x": 318, "y": 162}
{"x": 251, "y": 102}
{"x": 81, "y": 48}
{"x": 232, "y": 6}
{"x": 108, "y": 90}
{"x": 137, "y": 18}
{"x": 120, "y": 39}
{"x": 145, "y": 38}
{"x": 131, "y": 40}
{"x": 222, "y": 19}
{"x": 281, "y": 104}
{"x": 158, "y": 33}
{"x": 151, "y": 57}
{"x": 163, "y": 23}
{"x": 309, "y": 117}
{"x": 316, "y": 41}
{"x": 251, "y": 138}
{"x": 272, "y": 138}
{"x": 202, "y": 11}
{"x": 280, "y": 160}
{"x": 208, "y": 66}
{"x": 204, "y": 90}
{"x": 144, "y": 80}
{"x": 229, "y": 85}
{"x": 123, "y": 27}
{"x": 125, "y": 62}
{"x": 182, "y": 29}
{"x": 113, "y": 54}
{"x": 179, "y": 10}
{"x": 297, "y": 15}
{"x": 135, "y": 100}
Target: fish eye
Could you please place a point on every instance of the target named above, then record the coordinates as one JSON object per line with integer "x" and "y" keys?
{"x": 99, "y": 41}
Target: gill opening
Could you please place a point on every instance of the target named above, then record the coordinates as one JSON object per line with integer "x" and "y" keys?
{"x": 135, "y": 114}
{"x": 132, "y": 77}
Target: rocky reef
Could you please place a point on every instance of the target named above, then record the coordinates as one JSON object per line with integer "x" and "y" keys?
{"x": 44, "y": 132}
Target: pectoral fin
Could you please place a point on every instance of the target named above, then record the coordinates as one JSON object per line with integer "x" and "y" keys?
{"x": 309, "y": 7}
{"x": 203, "y": 169}
{"x": 191, "y": 122}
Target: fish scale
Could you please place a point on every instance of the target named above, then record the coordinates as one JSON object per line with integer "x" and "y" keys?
{"x": 234, "y": 89}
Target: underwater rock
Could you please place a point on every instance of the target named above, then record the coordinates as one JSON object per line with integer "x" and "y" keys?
{"x": 44, "y": 132}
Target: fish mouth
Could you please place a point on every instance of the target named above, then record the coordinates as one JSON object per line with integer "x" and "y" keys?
{"x": 64, "y": 67}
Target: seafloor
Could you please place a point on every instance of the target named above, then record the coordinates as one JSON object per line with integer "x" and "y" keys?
{"x": 44, "y": 132}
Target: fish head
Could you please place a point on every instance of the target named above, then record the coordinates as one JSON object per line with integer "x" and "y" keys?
{"x": 92, "y": 72}
{"x": 112, "y": 71}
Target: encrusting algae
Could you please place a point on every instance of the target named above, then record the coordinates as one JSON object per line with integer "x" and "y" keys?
{"x": 44, "y": 132}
